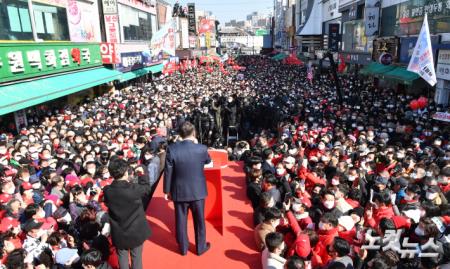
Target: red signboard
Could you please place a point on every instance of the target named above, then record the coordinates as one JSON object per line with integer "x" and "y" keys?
{"x": 109, "y": 53}
{"x": 112, "y": 28}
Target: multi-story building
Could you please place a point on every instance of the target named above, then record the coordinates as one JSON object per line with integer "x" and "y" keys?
{"x": 51, "y": 51}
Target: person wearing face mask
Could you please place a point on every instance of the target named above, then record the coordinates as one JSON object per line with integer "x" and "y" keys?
{"x": 36, "y": 238}
{"x": 272, "y": 218}
{"x": 272, "y": 256}
{"x": 327, "y": 231}
{"x": 327, "y": 205}
{"x": 425, "y": 231}
{"x": 434, "y": 195}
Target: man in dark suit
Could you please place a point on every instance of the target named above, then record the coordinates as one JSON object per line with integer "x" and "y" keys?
{"x": 185, "y": 184}
{"x": 129, "y": 227}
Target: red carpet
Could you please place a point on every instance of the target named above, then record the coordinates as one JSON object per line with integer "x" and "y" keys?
{"x": 235, "y": 249}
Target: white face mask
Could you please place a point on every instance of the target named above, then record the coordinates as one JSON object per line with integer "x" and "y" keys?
{"x": 10, "y": 190}
{"x": 106, "y": 175}
{"x": 148, "y": 157}
{"x": 67, "y": 218}
{"x": 91, "y": 171}
{"x": 419, "y": 231}
{"x": 335, "y": 182}
{"x": 276, "y": 223}
{"x": 431, "y": 196}
{"x": 321, "y": 147}
{"x": 351, "y": 178}
{"x": 41, "y": 214}
{"x": 280, "y": 171}
{"x": 296, "y": 207}
{"x": 407, "y": 197}
{"x": 328, "y": 204}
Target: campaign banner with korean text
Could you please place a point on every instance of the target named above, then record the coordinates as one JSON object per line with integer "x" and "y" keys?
{"x": 25, "y": 60}
{"x": 164, "y": 39}
{"x": 421, "y": 61}
{"x": 442, "y": 116}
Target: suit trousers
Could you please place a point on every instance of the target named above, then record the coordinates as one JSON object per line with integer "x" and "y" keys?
{"x": 136, "y": 257}
{"x": 198, "y": 213}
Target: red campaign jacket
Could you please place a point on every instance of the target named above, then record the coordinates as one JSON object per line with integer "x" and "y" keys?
{"x": 310, "y": 178}
{"x": 348, "y": 235}
{"x": 320, "y": 251}
{"x": 301, "y": 242}
{"x": 378, "y": 214}
{"x": 352, "y": 203}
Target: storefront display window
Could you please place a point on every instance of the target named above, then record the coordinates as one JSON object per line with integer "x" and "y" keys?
{"x": 136, "y": 24}
{"x": 15, "y": 23}
{"x": 353, "y": 37}
{"x": 51, "y": 22}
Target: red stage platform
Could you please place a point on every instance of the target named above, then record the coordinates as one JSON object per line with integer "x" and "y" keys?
{"x": 232, "y": 243}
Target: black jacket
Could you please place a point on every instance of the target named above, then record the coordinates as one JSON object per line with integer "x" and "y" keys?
{"x": 129, "y": 226}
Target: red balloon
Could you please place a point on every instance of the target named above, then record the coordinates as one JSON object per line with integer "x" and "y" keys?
{"x": 414, "y": 104}
{"x": 423, "y": 101}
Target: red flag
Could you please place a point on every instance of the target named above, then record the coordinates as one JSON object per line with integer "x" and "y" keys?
{"x": 342, "y": 66}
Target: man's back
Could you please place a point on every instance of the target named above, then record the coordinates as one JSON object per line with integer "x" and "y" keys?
{"x": 184, "y": 178}
{"x": 129, "y": 227}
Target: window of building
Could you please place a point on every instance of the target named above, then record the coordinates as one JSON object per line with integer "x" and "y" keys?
{"x": 353, "y": 36}
{"x": 136, "y": 25}
{"x": 51, "y": 22}
{"x": 15, "y": 23}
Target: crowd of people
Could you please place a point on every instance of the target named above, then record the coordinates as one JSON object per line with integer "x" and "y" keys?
{"x": 358, "y": 184}
{"x": 323, "y": 177}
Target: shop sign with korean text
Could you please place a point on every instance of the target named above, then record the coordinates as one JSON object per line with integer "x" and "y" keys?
{"x": 26, "y": 60}
{"x": 443, "y": 65}
{"x": 112, "y": 28}
{"x": 109, "y": 7}
{"x": 130, "y": 61}
{"x": 110, "y": 53}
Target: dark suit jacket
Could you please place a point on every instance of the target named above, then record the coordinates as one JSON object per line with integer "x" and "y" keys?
{"x": 183, "y": 177}
{"x": 129, "y": 226}
{"x": 267, "y": 167}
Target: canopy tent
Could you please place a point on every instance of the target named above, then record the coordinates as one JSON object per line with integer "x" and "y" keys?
{"x": 376, "y": 69}
{"x": 25, "y": 94}
{"x": 401, "y": 75}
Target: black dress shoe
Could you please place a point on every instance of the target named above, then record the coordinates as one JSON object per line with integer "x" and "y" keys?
{"x": 183, "y": 253}
{"x": 208, "y": 246}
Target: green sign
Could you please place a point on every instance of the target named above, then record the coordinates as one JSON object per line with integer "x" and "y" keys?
{"x": 26, "y": 60}
{"x": 261, "y": 32}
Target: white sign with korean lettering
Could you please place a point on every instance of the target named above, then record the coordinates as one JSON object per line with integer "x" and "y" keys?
{"x": 443, "y": 65}
{"x": 109, "y": 7}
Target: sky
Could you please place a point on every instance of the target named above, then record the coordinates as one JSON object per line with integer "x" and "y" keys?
{"x": 226, "y": 10}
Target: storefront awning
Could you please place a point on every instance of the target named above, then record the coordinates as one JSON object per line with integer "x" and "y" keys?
{"x": 375, "y": 69}
{"x": 401, "y": 75}
{"x": 141, "y": 72}
{"x": 25, "y": 94}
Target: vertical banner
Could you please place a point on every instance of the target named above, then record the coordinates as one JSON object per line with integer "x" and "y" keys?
{"x": 208, "y": 39}
{"x": 184, "y": 33}
{"x": 164, "y": 39}
{"x": 202, "y": 41}
{"x": 192, "y": 41}
{"x": 372, "y": 17}
{"x": 20, "y": 117}
{"x": 112, "y": 28}
{"x": 191, "y": 19}
{"x": 333, "y": 37}
{"x": 422, "y": 59}
{"x": 443, "y": 65}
